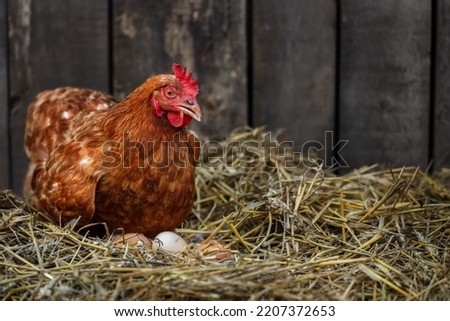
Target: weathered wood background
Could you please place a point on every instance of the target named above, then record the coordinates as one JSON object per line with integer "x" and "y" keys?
{"x": 375, "y": 73}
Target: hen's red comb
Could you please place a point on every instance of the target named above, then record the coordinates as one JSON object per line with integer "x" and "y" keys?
{"x": 189, "y": 86}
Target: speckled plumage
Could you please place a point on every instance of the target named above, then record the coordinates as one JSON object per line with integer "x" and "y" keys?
{"x": 100, "y": 160}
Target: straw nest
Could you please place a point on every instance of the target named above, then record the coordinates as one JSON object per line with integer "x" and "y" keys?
{"x": 295, "y": 233}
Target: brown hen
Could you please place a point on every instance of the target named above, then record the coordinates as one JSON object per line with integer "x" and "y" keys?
{"x": 130, "y": 164}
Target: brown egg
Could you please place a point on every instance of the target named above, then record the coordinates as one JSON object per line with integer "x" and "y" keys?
{"x": 214, "y": 251}
{"x": 135, "y": 239}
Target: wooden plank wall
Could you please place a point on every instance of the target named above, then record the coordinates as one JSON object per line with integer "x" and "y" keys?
{"x": 294, "y": 71}
{"x": 372, "y": 72}
{"x": 385, "y": 81}
{"x": 4, "y": 112}
{"x": 441, "y": 124}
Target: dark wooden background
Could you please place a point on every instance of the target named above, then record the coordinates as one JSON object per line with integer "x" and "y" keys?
{"x": 375, "y": 73}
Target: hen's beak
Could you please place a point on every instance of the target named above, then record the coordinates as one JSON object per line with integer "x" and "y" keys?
{"x": 191, "y": 108}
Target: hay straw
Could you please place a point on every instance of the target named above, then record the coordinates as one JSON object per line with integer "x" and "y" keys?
{"x": 295, "y": 232}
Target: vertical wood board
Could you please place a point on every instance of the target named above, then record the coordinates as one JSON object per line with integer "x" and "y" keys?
{"x": 4, "y": 112}
{"x": 441, "y": 135}
{"x": 385, "y": 82}
{"x": 206, "y": 36}
{"x": 53, "y": 44}
{"x": 294, "y": 50}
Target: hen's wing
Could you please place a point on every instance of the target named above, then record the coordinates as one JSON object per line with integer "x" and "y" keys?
{"x": 59, "y": 179}
{"x": 51, "y": 113}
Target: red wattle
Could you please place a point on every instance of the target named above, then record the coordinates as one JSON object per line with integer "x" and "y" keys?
{"x": 175, "y": 119}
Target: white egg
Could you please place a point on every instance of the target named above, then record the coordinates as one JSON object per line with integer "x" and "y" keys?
{"x": 169, "y": 241}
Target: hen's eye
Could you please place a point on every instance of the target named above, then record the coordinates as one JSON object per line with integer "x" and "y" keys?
{"x": 170, "y": 93}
